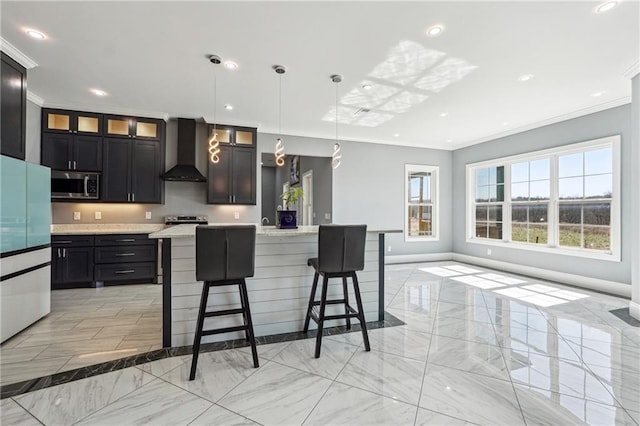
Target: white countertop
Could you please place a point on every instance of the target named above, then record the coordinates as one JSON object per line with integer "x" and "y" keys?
{"x": 189, "y": 230}
{"x": 106, "y": 228}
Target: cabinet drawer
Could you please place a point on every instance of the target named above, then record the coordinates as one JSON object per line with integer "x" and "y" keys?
{"x": 124, "y": 240}
{"x": 116, "y": 254}
{"x": 71, "y": 240}
{"x": 125, "y": 271}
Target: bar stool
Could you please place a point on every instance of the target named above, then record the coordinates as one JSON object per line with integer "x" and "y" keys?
{"x": 225, "y": 255}
{"x": 340, "y": 255}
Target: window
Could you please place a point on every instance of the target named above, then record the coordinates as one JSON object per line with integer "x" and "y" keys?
{"x": 421, "y": 206}
{"x": 564, "y": 198}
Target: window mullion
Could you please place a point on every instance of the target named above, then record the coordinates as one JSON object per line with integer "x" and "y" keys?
{"x": 553, "y": 225}
{"x": 506, "y": 209}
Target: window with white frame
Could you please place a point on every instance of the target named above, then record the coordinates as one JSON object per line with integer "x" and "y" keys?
{"x": 421, "y": 204}
{"x": 565, "y": 198}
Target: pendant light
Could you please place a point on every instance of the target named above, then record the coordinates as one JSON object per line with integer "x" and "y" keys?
{"x": 279, "y": 152}
{"x": 214, "y": 144}
{"x": 336, "y": 157}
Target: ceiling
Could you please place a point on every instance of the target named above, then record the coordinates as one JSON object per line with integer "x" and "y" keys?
{"x": 453, "y": 90}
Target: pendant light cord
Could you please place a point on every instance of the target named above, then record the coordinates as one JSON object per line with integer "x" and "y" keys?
{"x": 280, "y": 106}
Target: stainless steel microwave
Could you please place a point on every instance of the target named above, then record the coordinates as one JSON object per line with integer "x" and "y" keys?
{"x": 74, "y": 185}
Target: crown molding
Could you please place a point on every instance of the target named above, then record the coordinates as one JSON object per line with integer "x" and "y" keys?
{"x": 17, "y": 55}
{"x": 32, "y": 97}
{"x": 557, "y": 119}
{"x": 633, "y": 70}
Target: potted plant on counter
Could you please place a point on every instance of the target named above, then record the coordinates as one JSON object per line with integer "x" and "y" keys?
{"x": 287, "y": 218}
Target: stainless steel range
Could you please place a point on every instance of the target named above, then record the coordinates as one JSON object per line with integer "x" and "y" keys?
{"x": 180, "y": 219}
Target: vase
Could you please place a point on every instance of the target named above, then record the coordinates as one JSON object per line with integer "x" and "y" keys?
{"x": 287, "y": 219}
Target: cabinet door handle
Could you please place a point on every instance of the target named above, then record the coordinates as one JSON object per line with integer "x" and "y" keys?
{"x": 74, "y": 165}
{"x": 128, "y": 196}
{"x": 126, "y": 240}
{"x": 59, "y": 255}
{"x": 64, "y": 252}
{"x": 127, "y": 271}
{"x": 69, "y": 164}
{"x": 63, "y": 242}
{"x": 125, "y": 254}
{"x": 133, "y": 197}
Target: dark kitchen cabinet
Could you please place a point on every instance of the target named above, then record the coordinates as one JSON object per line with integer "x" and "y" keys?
{"x": 71, "y": 261}
{"x": 133, "y": 127}
{"x": 233, "y": 179}
{"x": 130, "y": 257}
{"x": 131, "y": 171}
{"x": 64, "y": 121}
{"x": 72, "y": 152}
{"x": 13, "y": 108}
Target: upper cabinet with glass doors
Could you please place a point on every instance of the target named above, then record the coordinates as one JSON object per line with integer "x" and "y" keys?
{"x": 63, "y": 121}
{"x": 132, "y": 127}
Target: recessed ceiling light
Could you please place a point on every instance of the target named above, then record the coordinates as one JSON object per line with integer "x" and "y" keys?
{"x": 98, "y": 92}
{"x": 435, "y": 30}
{"x": 35, "y": 34}
{"x": 525, "y": 77}
{"x": 228, "y": 107}
{"x": 444, "y": 114}
{"x": 367, "y": 86}
{"x": 597, "y": 94}
{"x": 230, "y": 65}
{"x": 449, "y": 140}
{"x": 606, "y": 6}
{"x": 505, "y": 123}
{"x": 395, "y": 135}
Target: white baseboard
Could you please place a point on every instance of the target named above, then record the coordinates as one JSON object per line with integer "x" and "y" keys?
{"x": 634, "y": 309}
{"x": 612, "y": 287}
{"x": 413, "y": 258}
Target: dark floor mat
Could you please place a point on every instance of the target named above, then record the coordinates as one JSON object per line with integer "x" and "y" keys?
{"x": 624, "y": 315}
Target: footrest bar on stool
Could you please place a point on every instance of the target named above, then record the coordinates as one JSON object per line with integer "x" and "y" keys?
{"x": 341, "y": 316}
{"x": 225, "y": 312}
{"x": 223, "y": 330}
{"x": 331, "y": 302}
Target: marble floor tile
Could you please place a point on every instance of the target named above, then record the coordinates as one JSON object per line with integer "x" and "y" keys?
{"x": 276, "y": 395}
{"x": 266, "y": 351}
{"x": 346, "y": 405}
{"x": 162, "y": 366}
{"x": 624, "y": 387}
{"x": 413, "y": 321}
{"x": 11, "y": 413}
{"x": 88, "y": 347}
{"x": 554, "y": 374}
{"x": 70, "y": 402}
{"x": 87, "y": 359}
{"x": 471, "y": 397}
{"x": 385, "y": 374}
{"x": 401, "y": 341}
{"x": 612, "y": 356}
{"x": 157, "y": 403}
{"x": 333, "y": 357}
{"x": 216, "y": 374}
{"x": 218, "y": 416}
{"x": 427, "y": 418}
{"x": 473, "y": 357}
{"x": 466, "y": 329}
{"x": 352, "y": 338}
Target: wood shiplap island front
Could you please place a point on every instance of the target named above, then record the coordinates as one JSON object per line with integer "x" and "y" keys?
{"x": 278, "y": 292}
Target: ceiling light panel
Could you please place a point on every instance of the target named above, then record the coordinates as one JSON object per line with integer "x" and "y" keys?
{"x": 369, "y": 98}
{"x": 449, "y": 71}
{"x": 605, "y": 7}
{"x": 35, "y": 34}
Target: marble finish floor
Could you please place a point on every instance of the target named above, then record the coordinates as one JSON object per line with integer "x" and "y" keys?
{"x": 478, "y": 347}
{"x": 86, "y": 326}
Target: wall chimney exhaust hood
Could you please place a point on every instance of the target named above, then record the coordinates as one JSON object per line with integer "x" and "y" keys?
{"x": 185, "y": 170}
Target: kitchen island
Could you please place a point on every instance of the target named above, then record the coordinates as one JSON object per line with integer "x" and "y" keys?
{"x": 278, "y": 292}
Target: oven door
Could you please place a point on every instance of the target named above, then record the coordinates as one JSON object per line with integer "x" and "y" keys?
{"x": 74, "y": 185}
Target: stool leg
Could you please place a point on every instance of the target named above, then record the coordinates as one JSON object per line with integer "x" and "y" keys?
{"x": 244, "y": 312}
{"x": 311, "y": 299}
{"x": 252, "y": 337}
{"x": 363, "y": 323}
{"x": 323, "y": 302}
{"x": 346, "y": 301}
{"x": 199, "y": 325}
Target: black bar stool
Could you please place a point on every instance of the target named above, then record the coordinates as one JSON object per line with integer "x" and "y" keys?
{"x": 225, "y": 255}
{"x": 340, "y": 255}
